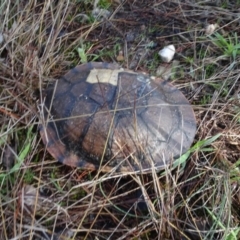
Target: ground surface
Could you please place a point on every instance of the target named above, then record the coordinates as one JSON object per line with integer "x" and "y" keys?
{"x": 42, "y": 199}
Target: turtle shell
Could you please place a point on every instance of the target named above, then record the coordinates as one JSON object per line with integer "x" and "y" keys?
{"x": 99, "y": 116}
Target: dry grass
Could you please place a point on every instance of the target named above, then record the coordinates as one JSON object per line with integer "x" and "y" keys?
{"x": 41, "y": 199}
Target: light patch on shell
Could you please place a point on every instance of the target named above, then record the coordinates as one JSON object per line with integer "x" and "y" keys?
{"x": 167, "y": 53}
{"x": 104, "y": 76}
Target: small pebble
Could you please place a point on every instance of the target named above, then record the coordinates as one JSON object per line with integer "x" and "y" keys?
{"x": 167, "y": 53}
{"x": 210, "y": 29}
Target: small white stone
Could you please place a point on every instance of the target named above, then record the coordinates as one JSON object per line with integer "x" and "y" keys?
{"x": 167, "y": 53}
{"x": 210, "y": 28}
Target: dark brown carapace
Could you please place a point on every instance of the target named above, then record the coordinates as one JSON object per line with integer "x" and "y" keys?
{"x": 99, "y": 116}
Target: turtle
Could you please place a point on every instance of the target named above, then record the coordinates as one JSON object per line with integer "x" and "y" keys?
{"x": 99, "y": 116}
